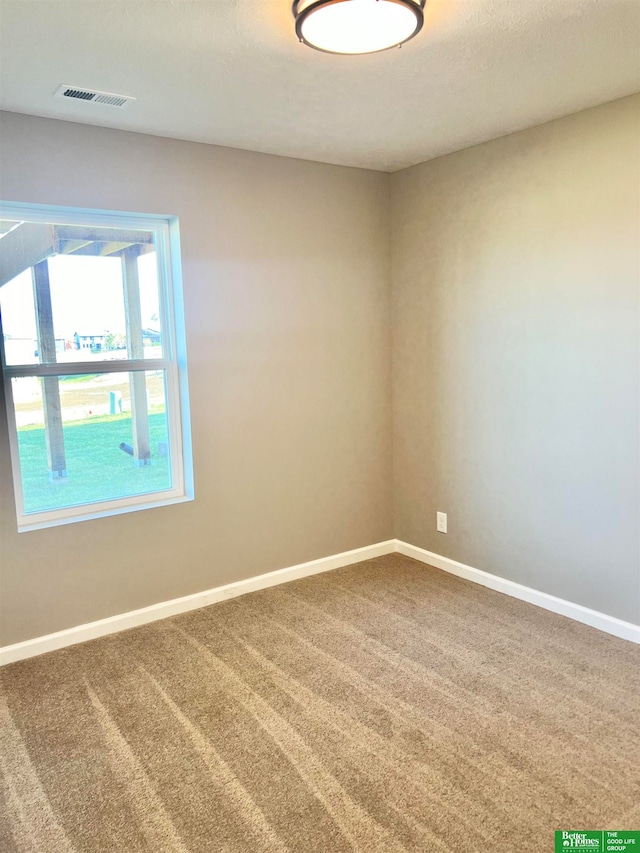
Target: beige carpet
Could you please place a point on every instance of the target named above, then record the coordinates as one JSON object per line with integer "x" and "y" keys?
{"x": 381, "y": 708}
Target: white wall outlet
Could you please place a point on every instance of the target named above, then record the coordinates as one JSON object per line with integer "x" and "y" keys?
{"x": 441, "y": 522}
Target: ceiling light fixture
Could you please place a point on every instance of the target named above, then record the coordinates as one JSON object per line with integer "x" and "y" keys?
{"x": 357, "y": 26}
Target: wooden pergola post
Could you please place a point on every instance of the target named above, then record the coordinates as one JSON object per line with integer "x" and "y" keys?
{"x": 135, "y": 349}
{"x": 50, "y": 388}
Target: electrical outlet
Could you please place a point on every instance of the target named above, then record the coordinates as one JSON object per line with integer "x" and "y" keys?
{"x": 441, "y": 522}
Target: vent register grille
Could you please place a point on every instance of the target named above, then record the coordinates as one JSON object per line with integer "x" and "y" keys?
{"x": 93, "y": 96}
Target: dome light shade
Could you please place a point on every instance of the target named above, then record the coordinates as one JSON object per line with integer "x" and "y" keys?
{"x": 357, "y": 26}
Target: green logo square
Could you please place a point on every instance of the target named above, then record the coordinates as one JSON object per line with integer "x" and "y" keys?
{"x": 579, "y": 839}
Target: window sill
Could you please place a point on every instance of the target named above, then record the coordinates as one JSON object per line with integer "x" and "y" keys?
{"x": 59, "y": 517}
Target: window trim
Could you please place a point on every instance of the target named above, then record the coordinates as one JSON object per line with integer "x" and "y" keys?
{"x": 173, "y": 363}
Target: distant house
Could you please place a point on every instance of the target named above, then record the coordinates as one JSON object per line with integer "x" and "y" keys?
{"x": 19, "y": 350}
{"x": 94, "y": 342}
{"x": 151, "y": 337}
{"x": 24, "y": 350}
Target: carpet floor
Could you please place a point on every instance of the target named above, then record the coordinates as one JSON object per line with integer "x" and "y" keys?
{"x": 385, "y": 707}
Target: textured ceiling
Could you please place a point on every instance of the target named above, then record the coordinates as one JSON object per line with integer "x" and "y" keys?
{"x": 231, "y": 72}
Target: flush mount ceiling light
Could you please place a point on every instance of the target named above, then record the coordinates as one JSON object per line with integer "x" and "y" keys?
{"x": 357, "y": 26}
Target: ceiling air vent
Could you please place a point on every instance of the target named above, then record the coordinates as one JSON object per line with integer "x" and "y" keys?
{"x": 93, "y": 96}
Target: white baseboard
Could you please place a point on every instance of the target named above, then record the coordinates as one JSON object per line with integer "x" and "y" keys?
{"x": 123, "y": 621}
{"x": 608, "y": 624}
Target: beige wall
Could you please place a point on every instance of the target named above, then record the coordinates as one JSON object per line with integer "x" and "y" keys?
{"x": 516, "y": 363}
{"x": 286, "y": 280}
{"x": 515, "y": 373}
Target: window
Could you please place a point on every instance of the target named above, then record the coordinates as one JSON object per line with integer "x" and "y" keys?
{"x": 94, "y": 363}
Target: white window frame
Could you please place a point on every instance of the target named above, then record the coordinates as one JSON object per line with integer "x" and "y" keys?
{"x": 173, "y": 363}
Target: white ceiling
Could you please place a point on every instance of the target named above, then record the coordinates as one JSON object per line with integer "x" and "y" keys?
{"x": 231, "y": 72}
